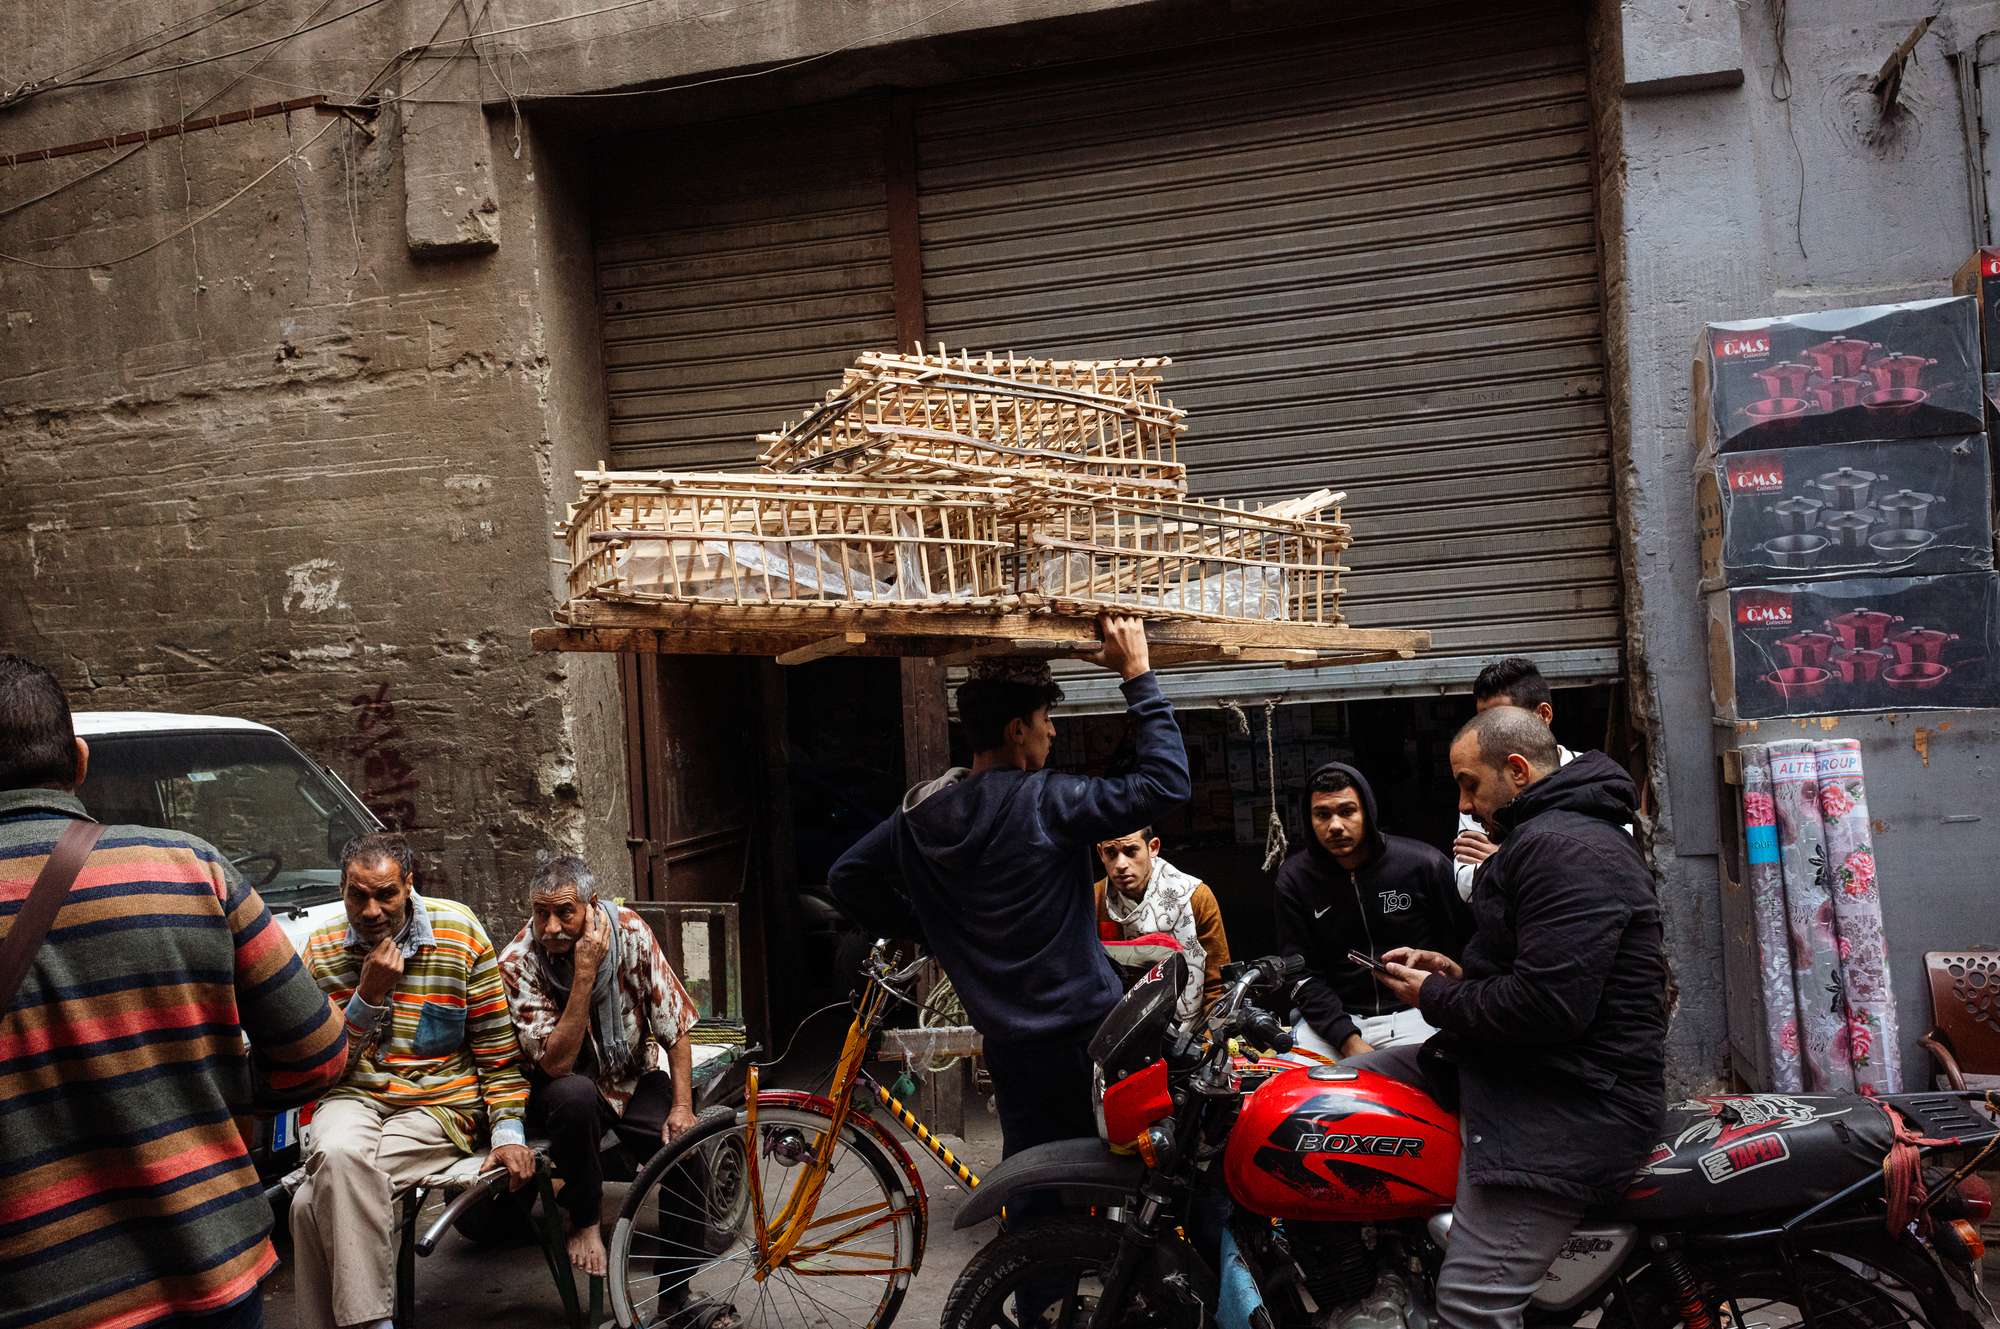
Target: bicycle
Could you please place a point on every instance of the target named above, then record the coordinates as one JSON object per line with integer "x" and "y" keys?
{"x": 706, "y": 1241}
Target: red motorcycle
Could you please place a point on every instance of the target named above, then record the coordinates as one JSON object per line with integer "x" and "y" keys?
{"x": 1324, "y": 1194}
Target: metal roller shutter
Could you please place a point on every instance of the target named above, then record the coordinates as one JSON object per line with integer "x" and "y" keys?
{"x": 1371, "y": 251}
{"x": 740, "y": 266}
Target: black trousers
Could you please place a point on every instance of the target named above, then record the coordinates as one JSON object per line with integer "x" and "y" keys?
{"x": 1042, "y": 1088}
{"x": 574, "y": 1115}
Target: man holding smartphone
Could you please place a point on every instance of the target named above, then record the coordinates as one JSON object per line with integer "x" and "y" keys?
{"x": 1552, "y": 1023}
{"x": 1345, "y": 896}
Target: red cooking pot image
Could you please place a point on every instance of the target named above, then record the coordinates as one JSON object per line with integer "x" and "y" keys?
{"x": 1799, "y": 683}
{"x": 1842, "y": 357}
{"x": 1863, "y": 629}
{"x": 1857, "y": 666}
{"x": 1837, "y": 394}
{"x": 1894, "y": 401}
{"x": 1788, "y": 378}
{"x": 1899, "y": 371}
{"x": 1915, "y": 677}
{"x": 1777, "y": 408}
{"x": 1808, "y": 648}
{"x": 1920, "y": 645}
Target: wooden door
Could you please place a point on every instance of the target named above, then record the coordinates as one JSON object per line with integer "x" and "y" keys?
{"x": 695, "y": 767}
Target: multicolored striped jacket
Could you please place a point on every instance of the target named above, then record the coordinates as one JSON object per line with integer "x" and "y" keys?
{"x": 445, "y": 1044}
{"x": 127, "y": 1195}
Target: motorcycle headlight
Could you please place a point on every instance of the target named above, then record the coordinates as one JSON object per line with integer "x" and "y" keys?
{"x": 1097, "y": 1100}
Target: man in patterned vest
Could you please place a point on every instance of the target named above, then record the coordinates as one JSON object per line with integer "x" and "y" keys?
{"x": 432, "y": 1066}
{"x": 602, "y": 1021}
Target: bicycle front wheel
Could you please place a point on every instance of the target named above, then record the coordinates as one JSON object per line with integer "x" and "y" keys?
{"x": 684, "y": 1254}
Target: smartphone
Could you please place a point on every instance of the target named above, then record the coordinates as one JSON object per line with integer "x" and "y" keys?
{"x": 1367, "y": 961}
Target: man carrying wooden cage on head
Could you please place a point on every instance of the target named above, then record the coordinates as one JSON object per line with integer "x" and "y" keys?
{"x": 991, "y": 866}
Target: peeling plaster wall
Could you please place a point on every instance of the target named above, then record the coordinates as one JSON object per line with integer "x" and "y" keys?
{"x": 1710, "y": 211}
{"x": 279, "y": 469}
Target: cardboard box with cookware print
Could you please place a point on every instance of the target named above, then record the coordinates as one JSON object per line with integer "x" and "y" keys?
{"x": 1906, "y": 507}
{"x": 1838, "y": 376}
{"x": 1865, "y": 644}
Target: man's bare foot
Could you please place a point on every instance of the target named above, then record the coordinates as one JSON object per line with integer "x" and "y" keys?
{"x": 586, "y": 1249}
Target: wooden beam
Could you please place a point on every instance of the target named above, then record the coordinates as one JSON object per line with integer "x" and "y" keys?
{"x": 906, "y": 254}
{"x": 821, "y": 649}
{"x": 958, "y": 1040}
{"x": 957, "y": 638}
{"x": 802, "y": 624}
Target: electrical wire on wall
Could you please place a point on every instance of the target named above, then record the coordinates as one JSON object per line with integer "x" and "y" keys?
{"x": 468, "y": 43}
{"x": 1781, "y": 92}
{"x": 290, "y": 158}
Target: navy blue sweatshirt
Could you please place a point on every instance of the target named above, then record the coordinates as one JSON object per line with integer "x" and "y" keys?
{"x": 994, "y": 872}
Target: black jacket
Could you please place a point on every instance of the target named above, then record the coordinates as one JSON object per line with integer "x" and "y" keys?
{"x": 994, "y": 871}
{"x": 1404, "y": 895}
{"x": 1559, "y": 1024}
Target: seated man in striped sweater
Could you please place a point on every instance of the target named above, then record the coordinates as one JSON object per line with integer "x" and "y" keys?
{"x": 432, "y": 1066}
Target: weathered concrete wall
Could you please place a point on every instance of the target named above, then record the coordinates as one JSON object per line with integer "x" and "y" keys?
{"x": 1723, "y": 201}
{"x": 278, "y": 468}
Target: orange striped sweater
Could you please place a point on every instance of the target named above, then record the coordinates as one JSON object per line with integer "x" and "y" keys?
{"x": 447, "y": 1045}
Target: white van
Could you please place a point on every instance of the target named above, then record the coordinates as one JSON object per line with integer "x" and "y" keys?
{"x": 280, "y": 817}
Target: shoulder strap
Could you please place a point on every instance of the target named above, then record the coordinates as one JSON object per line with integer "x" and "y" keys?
{"x": 39, "y": 910}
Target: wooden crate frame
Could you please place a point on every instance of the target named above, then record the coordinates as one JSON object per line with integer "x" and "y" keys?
{"x": 992, "y": 419}
{"x": 819, "y": 540}
{"x": 1081, "y": 553}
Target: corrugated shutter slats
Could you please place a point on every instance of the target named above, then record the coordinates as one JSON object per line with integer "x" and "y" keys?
{"x": 1372, "y": 254}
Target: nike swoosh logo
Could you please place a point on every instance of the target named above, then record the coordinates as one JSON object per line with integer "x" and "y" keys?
{"x": 1321, "y": 913}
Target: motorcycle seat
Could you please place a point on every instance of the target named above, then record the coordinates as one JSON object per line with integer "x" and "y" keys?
{"x": 1732, "y": 1154}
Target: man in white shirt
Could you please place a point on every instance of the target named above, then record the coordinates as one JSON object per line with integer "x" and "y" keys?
{"x": 1514, "y": 681}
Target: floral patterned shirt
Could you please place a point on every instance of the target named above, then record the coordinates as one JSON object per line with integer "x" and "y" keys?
{"x": 657, "y": 1009}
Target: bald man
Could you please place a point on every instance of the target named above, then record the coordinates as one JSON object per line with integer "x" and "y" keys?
{"x": 1552, "y": 1032}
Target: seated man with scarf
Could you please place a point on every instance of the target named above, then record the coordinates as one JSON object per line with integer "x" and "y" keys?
{"x": 1141, "y": 894}
{"x": 602, "y": 1021}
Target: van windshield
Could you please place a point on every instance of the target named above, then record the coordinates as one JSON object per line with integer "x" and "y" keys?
{"x": 272, "y": 813}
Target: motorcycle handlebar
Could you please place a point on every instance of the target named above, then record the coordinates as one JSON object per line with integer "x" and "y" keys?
{"x": 1267, "y": 1031}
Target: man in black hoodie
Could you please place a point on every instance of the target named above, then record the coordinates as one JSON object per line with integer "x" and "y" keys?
{"x": 993, "y": 867}
{"x": 1555, "y": 1024}
{"x": 1352, "y": 887}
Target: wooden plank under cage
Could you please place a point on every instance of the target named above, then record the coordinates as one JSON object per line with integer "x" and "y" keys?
{"x": 770, "y": 630}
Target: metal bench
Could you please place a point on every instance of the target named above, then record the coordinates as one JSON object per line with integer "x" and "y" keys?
{"x": 718, "y": 1085}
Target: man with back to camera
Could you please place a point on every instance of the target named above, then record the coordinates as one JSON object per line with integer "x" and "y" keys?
{"x": 992, "y": 867}
{"x": 129, "y": 1055}
{"x": 1553, "y": 1028}
{"x": 1352, "y": 887}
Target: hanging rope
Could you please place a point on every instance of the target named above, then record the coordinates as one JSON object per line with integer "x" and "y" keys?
{"x": 1274, "y": 827}
{"x": 1274, "y": 830}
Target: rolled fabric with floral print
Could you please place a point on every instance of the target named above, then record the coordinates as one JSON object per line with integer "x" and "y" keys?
{"x": 1764, "y": 878}
{"x": 1869, "y": 1040}
{"x": 1809, "y": 916}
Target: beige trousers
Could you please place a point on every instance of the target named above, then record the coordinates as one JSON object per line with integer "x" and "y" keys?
{"x": 343, "y": 1217}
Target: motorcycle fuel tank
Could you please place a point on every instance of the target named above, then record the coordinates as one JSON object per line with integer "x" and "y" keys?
{"x": 1329, "y": 1144}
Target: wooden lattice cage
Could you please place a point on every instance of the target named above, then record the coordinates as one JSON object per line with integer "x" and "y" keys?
{"x": 746, "y": 539}
{"x": 1081, "y": 553}
{"x": 991, "y": 418}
